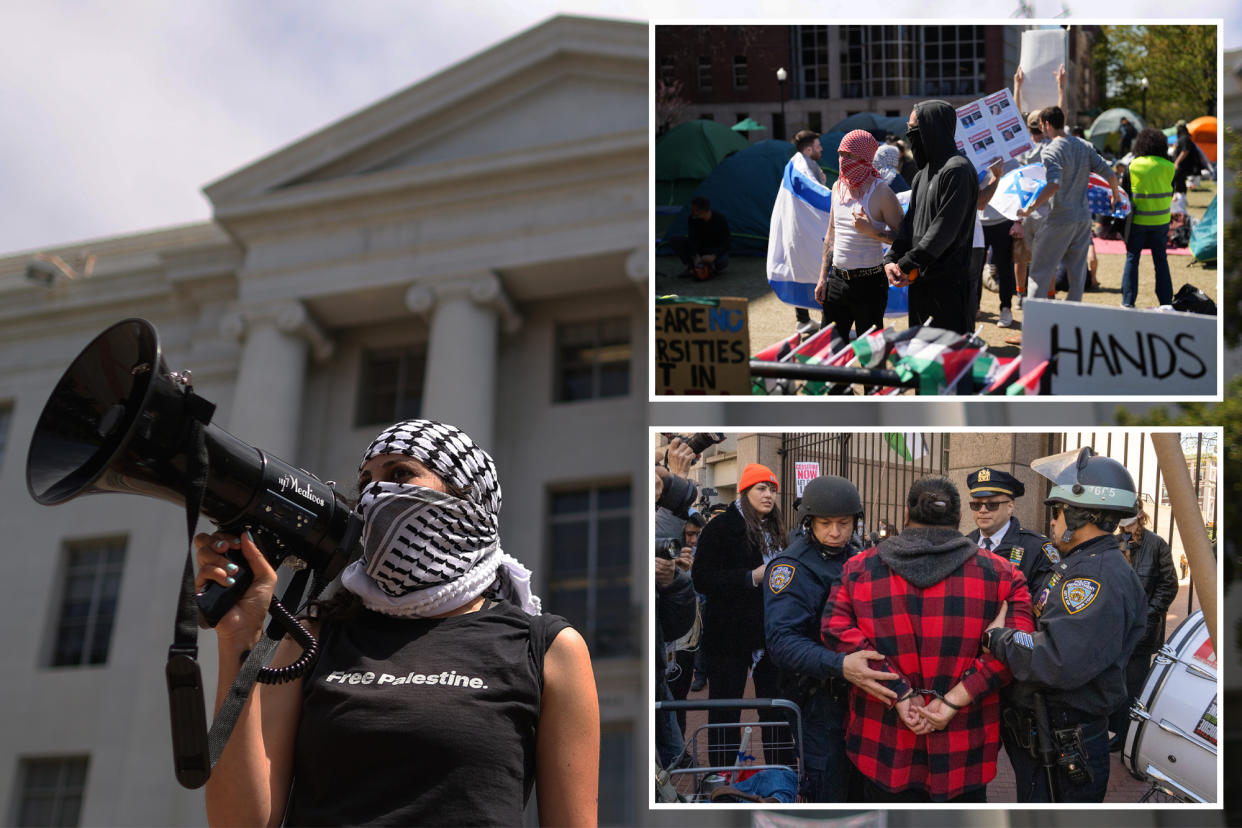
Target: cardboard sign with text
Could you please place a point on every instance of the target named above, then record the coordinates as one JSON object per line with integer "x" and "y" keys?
{"x": 702, "y": 346}
{"x": 1098, "y": 350}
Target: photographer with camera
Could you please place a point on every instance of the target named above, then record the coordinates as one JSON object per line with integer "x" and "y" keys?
{"x": 437, "y": 669}
{"x": 676, "y": 605}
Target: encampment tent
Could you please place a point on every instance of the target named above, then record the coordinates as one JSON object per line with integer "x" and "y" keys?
{"x": 1203, "y": 237}
{"x": 743, "y": 187}
{"x": 878, "y": 125}
{"x": 1203, "y": 133}
{"x": 687, "y": 153}
{"x": 1105, "y": 130}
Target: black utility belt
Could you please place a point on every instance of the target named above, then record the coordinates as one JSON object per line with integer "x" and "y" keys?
{"x": 858, "y": 273}
{"x": 1064, "y": 716}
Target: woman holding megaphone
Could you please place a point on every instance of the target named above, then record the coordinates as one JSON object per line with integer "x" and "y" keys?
{"x": 441, "y": 694}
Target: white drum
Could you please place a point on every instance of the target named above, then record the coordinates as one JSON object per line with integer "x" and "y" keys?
{"x": 1172, "y": 735}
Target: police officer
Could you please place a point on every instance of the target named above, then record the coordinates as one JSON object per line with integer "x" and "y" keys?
{"x": 1089, "y": 617}
{"x": 798, "y": 583}
{"x": 992, "y": 496}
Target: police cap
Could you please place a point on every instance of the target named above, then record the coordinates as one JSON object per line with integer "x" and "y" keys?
{"x": 987, "y": 482}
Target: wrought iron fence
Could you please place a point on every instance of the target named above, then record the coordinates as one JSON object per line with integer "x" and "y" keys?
{"x": 881, "y": 465}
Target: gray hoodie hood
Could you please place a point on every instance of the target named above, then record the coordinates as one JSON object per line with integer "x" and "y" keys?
{"x": 926, "y": 556}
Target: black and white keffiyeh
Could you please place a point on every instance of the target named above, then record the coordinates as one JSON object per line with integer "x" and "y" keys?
{"x": 426, "y": 552}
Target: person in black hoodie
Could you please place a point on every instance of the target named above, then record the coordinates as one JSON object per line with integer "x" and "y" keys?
{"x": 932, "y": 250}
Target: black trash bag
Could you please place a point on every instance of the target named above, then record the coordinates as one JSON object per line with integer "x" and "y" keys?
{"x": 1192, "y": 300}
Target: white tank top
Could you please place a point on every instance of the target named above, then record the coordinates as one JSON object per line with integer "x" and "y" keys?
{"x": 852, "y": 250}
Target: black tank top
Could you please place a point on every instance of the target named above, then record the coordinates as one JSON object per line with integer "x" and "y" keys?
{"x": 420, "y": 721}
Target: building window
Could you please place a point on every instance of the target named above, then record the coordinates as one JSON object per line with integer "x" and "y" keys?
{"x": 92, "y": 583}
{"x": 589, "y": 581}
{"x": 6, "y": 418}
{"x": 668, "y": 68}
{"x": 952, "y": 61}
{"x": 390, "y": 385}
{"x": 51, "y": 791}
{"x": 616, "y": 775}
{"x": 815, "y": 121}
{"x": 741, "y": 75}
{"x": 593, "y": 359}
{"x": 707, "y": 116}
{"x": 705, "y": 73}
{"x": 813, "y": 58}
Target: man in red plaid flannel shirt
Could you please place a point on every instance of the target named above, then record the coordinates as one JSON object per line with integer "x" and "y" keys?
{"x": 923, "y": 598}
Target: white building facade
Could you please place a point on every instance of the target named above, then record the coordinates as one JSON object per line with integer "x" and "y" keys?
{"x": 472, "y": 249}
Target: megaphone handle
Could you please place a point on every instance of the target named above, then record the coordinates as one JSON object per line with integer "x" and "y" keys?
{"x": 216, "y": 599}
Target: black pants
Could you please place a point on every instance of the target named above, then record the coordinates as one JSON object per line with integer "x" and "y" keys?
{"x": 686, "y": 251}
{"x": 940, "y": 298}
{"x": 1136, "y": 675}
{"x": 996, "y": 236}
{"x": 857, "y": 303}
{"x": 1031, "y": 778}
{"x": 726, "y": 679}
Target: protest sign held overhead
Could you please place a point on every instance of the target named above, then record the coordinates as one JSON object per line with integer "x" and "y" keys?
{"x": 991, "y": 128}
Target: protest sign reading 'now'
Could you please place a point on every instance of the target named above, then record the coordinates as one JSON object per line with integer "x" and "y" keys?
{"x": 1097, "y": 350}
{"x": 702, "y": 346}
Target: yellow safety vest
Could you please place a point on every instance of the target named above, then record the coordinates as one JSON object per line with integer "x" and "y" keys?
{"x": 1151, "y": 184}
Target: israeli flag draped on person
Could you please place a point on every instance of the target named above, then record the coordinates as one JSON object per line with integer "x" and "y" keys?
{"x": 796, "y": 237}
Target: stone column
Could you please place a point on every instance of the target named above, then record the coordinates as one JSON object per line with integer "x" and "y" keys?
{"x": 1008, "y": 452}
{"x": 460, "y": 384}
{"x": 267, "y": 402}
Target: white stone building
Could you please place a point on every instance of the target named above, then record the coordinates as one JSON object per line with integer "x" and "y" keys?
{"x": 390, "y": 264}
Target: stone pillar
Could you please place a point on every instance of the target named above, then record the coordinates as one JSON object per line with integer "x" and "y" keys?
{"x": 460, "y": 384}
{"x": 1010, "y": 452}
{"x": 267, "y": 402}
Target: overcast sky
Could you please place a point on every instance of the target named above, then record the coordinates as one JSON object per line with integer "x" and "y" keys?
{"x": 117, "y": 113}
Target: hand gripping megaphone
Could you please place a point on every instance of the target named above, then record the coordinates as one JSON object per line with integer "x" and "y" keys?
{"x": 120, "y": 421}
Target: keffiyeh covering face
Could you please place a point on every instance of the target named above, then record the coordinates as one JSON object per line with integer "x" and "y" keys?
{"x": 426, "y": 552}
{"x": 857, "y": 172}
{"x": 886, "y": 159}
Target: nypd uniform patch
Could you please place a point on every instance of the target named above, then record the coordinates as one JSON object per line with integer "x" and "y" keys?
{"x": 1078, "y": 593}
{"x": 1038, "y": 607}
{"x": 1052, "y": 553}
{"x": 1023, "y": 639}
{"x": 779, "y": 577}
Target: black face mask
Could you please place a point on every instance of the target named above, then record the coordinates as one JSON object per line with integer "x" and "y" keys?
{"x": 915, "y": 137}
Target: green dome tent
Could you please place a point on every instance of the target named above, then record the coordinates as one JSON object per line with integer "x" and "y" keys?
{"x": 687, "y": 153}
{"x": 744, "y": 188}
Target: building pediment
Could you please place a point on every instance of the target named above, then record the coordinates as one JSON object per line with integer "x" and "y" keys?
{"x": 474, "y": 120}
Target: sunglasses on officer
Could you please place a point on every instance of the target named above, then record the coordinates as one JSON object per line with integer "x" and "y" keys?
{"x": 991, "y": 505}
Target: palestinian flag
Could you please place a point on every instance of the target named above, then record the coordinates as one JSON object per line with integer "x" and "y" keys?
{"x": 908, "y": 446}
{"x": 777, "y": 350}
{"x": 838, "y": 355}
{"x": 872, "y": 349}
{"x": 938, "y": 357}
{"x": 1028, "y": 384}
{"x": 938, "y": 370}
{"x": 995, "y": 373}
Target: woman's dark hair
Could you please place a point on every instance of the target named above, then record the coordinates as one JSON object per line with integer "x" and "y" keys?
{"x": 756, "y": 524}
{"x": 934, "y": 501}
{"x": 1151, "y": 141}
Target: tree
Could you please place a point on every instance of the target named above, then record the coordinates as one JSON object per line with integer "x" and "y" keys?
{"x": 1179, "y": 63}
{"x": 670, "y": 106}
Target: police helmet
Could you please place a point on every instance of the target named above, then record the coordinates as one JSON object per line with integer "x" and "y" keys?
{"x": 1085, "y": 479}
{"x": 829, "y": 496}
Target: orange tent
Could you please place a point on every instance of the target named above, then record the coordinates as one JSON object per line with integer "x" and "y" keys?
{"x": 1203, "y": 133}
